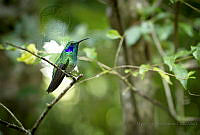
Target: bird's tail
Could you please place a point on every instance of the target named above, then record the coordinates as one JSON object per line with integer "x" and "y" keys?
{"x": 57, "y": 78}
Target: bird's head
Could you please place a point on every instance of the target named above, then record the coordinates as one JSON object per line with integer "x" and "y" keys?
{"x": 73, "y": 45}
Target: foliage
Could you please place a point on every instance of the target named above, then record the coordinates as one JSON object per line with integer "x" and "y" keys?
{"x": 113, "y": 34}
{"x": 94, "y": 107}
{"x": 27, "y": 57}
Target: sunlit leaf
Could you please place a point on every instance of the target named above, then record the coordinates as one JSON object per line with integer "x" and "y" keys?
{"x": 10, "y": 48}
{"x": 164, "y": 31}
{"x": 197, "y": 22}
{"x": 169, "y": 60}
{"x": 113, "y": 34}
{"x": 135, "y": 74}
{"x": 172, "y": 1}
{"x": 196, "y": 52}
{"x": 133, "y": 34}
{"x": 90, "y": 52}
{"x": 1, "y": 47}
{"x": 182, "y": 53}
{"x": 181, "y": 74}
{"x": 127, "y": 71}
{"x": 143, "y": 69}
{"x": 190, "y": 75}
{"x": 162, "y": 15}
{"x": 163, "y": 74}
{"x": 187, "y": 28}
{"x": 146, "y": 27}
{"x": 27, "y": 57}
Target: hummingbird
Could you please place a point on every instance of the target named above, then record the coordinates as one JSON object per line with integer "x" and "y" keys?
{"x": 66, "y": 61}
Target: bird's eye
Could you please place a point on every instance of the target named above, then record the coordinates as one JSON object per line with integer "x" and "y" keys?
{"x": 69, "y": 49}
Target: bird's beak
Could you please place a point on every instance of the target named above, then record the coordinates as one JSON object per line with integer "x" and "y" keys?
{"x": 83, "y": 40}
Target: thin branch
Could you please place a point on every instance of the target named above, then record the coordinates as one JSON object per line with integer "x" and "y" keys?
{"x": 132, "y": 110}
{"x": 169, "y": 98}
{"x": 51, "y": 105}
{"x": 157, "y": 42}
{"x": 151, "y": 100}
{"x": 13, "y": 126}
{"x": 40, "y": 57}
{"x": 165, "y": 84}
{"x": 126, "y": 81}
{"x": 13, "y": 116}
{"x": 93, "y": 77}
{"x": 189, "y": 5}
{"x": 118, "y": 50}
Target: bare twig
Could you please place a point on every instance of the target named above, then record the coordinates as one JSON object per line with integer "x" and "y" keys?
{"x": 118, "y": 50}
{"x": 130, "y": 86}
{"x": 189, "y": 5}
{"x": 165, "y": 84}
{"x": 125, "y": 80}
{"x": 51, "y": 105}
{"x": 157, "y": 42}
{"x": 13, "y": 116}
{"x": 13, "y": 126}
{"x": 93, "y": 77}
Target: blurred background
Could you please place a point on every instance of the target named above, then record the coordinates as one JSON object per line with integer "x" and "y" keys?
{"x": 101, "y": 106}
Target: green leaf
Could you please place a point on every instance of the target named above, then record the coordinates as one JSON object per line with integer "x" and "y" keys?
{"x": 164, "y": 31}
{"x": 90, "y": 52}
{"x": 197, "y": 22}
{"x": 190, "y": 75}
{"x": 127, "y": 71}
{"x": 143, "y": 69}
{"x": 172, "y": 1}
{"x": 1, "y": 47}
{"x": 187, "y": 28}
{"x": 146, "y": 27}
{"x": 196, "y": 52}
{"x": 163, "y": 74}
{"x": 10, "y": 48}
{"x": 133, "y": 34}
{"x": 113, "y": 34}
{"x": 162, "y": 15}
{"x": 135, "y": 74}
{"x": 27, "y": 57}
{"x": 181, "y": 74}
{"x": 169, "y": 60}
{"x": 182, "y": 53}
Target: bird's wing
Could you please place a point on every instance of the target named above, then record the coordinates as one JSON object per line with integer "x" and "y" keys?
{"x": 57, "y": 78}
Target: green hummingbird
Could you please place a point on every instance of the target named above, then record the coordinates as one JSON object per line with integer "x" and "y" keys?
{"x": 66, "y": 61}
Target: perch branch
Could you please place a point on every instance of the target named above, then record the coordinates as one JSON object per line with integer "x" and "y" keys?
{"x": 51, "y": 105}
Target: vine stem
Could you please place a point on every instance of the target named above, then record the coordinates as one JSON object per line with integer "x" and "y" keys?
{"x": 13, "y": 116}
